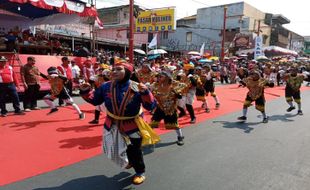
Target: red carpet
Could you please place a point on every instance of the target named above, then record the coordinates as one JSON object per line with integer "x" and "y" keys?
{"x": 36, "y": 143}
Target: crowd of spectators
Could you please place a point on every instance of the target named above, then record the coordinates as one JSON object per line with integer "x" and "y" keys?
{"x": 27, "y": 42}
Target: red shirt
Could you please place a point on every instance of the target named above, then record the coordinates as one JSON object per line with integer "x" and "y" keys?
{"x": 6, "y": 74}
{"x": 66, "y": 71}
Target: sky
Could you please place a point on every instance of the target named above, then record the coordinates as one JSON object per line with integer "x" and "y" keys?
{"x": 297, "y": 11}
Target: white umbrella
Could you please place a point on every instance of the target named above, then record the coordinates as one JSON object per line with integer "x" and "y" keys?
{"x": 262, "y": 58}
{"x": 243, "y": 55}
{"x": 156, "y": 51}
{"x": 140, "y": 51}
{"x": 193, "y": 53}
{"x": 302, "y": 58}
{"x": 195, "y": 57}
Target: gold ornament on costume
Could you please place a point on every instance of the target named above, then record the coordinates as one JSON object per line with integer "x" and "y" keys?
{"x": 295, "y": 82}
{"x": 57, "y": 84}
{"x": 167, "y": 96}
{"x": 256, "y": 88}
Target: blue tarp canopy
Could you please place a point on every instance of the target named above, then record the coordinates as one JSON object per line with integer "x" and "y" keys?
{"x": 28, "y": 10}
{"x": 151, "y": 57}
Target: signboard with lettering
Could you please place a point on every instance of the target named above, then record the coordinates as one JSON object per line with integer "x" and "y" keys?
{"x": 258, "y": 51}
{"x": 68, "y": 30}
{"x": 242, "y": 41}
{"x": 156, "y": 20}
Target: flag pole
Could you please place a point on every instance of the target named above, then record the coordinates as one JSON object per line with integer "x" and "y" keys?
{"x": 156, "y": 39}
{"x": 131, "y": 30}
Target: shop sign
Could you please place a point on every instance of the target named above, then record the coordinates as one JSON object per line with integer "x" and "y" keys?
{"x": 156, "y": 20}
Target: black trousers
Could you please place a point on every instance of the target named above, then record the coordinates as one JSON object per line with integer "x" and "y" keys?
{"x": 289, "y": 93}
{"x": 190, "y": 110}
{"x": 68, "y": 86}
{"x": 31, "y": 96}
{"x": 224, "y": 78}
{"x": 135, "y": 156}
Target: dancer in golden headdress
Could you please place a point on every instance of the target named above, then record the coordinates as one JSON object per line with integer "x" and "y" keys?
{"x": 167, "y": 92}
{"x": 256, "y": 86}
{"x": 292, "y": 89}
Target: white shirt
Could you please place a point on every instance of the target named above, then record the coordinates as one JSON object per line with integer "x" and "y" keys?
{"x": 76, "y": 71}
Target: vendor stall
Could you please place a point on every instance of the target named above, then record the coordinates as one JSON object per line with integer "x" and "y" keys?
{"x": 270, "y": 51}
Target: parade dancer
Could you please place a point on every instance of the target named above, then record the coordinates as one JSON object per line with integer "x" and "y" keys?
{"x": 177, "y": 75}
{"x": 267, "y": 71}
{"x": 209, "y": 86}
{"x": 188, "y": 93}
{"x": 292, "y": 89}
{"x": 65, "y": 69}
{"x": 101, "y": 77}
{"x": 307, "y": 77}
{"x": 200, "y": 91}
{"x": 241, "y": 74}
{"x": 167, "y": 92}
{"x": 123, "y": 99}
{"x": 58, "y": 90}
{"x": 256, "y": 86}
{"x": 146, "y": 75}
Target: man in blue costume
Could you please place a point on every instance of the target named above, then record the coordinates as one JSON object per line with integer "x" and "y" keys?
{"x": 122, "y": 98}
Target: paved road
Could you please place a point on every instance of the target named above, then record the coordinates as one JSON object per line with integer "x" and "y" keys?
{"x": 219, "y": 154}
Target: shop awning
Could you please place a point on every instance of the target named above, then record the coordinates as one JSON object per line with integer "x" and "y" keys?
{"x": 41, "y": 8}
{"x": 272, "y": 50}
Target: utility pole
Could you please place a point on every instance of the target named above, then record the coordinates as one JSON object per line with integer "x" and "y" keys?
{"x": 131, "y": 30}
{"x": 258, "y": 28}
{"x": 93, "y": 42}
{"x": 223, "y": 34}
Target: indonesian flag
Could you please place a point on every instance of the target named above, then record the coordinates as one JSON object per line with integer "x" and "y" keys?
{"x": 98, "y": 23}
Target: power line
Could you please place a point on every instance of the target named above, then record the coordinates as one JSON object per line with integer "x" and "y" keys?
{"x": 142, "y": 5}
{"x": 200, "y": 2}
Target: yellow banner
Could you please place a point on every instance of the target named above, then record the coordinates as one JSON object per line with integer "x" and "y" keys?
{"x": 156, "y": 20}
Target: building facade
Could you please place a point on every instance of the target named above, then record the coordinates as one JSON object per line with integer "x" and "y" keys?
{"x": 296, "y": 42}
{"x": 206, "y": 27}
{"x": 115, "y": 30}
{"x": 307, "y": 45}
{"x": 243, "y": 23}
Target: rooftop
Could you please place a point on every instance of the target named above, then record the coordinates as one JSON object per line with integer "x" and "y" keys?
{"x": 281, "y": 19}
{"x": 188, "y": 17}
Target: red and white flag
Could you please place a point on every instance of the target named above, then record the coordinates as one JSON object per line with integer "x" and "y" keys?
{"x": 98, "y": 23}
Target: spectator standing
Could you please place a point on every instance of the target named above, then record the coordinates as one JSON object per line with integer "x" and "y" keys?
{"x": 30, "y": 77}
{"x": 11, "y": 42}
{"x": 8, "y": 83}
{"x": 76, "y": 71}
{"x": 88, "y": 70}
{"x": 224, "y": 74}
{"x": 233, "y": 71}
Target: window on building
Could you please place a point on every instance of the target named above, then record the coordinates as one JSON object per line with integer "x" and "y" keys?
{"x": 265, "y": 37}
{"x": 150, "y": 36}
{"x": 164, "y": 35}
{"x": 189, "y": 36}
{"x": 110, "y": 16}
